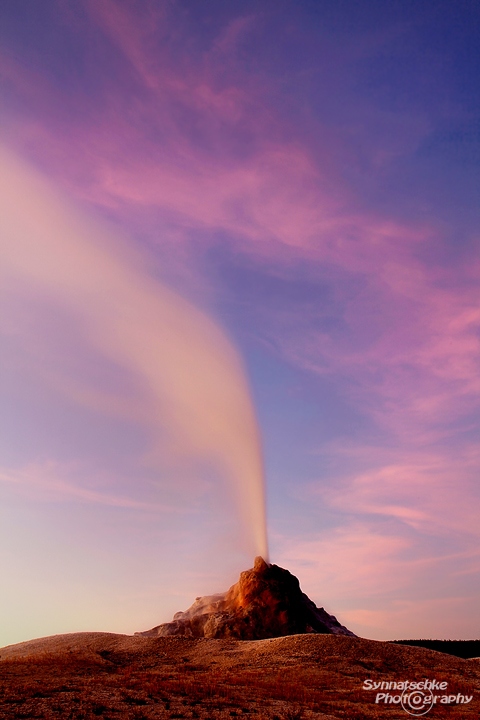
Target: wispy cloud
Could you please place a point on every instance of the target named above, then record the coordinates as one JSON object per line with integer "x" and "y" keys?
{"x": 52, "y": 482}
{"x": 436, "y": 493}
{"x": 357, "y": 559}
{"x": 414, "y": 618}
{"x": 374, "y": 576}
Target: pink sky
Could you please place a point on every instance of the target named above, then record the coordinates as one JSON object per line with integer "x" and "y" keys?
{"x": 297, "y": 183}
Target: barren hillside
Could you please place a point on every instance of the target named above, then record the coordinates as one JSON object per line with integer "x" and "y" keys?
{"x": 90, "y": 675}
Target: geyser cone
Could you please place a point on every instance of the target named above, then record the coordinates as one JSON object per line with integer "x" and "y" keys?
{"x": 265, "y": 602}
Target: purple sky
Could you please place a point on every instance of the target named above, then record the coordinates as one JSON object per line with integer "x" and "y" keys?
{"x": 298, "y": 180}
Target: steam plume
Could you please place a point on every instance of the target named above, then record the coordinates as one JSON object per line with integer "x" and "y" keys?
{"x": 196, "y": 397}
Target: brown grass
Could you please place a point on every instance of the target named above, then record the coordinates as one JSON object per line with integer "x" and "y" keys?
{"x": 98, "y": 675}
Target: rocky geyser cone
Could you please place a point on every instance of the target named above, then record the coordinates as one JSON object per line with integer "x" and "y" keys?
{"x": 265, "y": 602}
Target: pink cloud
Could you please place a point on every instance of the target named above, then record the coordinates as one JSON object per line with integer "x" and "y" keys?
{"x": 441, "y": 618}
{"x": 374, "y": 577}
{"x": 349, "y": 560}
{"x": 409, "y": 347}
{"x": 433, "y": 493}
{"x": 52, "y": 482}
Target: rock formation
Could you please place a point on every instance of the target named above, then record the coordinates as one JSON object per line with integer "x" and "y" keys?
{"x": 265, "y": 602}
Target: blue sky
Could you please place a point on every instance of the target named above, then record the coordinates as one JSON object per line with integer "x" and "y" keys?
{"x": 240, "y": 235}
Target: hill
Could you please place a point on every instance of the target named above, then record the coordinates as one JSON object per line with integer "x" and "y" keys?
{"x": 300, "y": 677}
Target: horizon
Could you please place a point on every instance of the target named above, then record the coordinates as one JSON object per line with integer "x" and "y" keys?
{"x": 241, "y": 310}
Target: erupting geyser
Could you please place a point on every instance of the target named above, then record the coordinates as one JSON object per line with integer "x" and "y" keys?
{"x": 188, "y": 387}
{"x": 265, "y": 602}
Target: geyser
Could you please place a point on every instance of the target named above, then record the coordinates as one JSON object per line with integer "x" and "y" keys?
{"x": 191, "y": 393}
{"x": 265, "y": 602}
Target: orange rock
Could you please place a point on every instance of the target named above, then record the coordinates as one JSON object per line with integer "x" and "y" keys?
{"x": 265, "y": 602}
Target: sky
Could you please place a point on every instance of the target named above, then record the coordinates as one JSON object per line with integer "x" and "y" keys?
{"x": 240, "y": 269}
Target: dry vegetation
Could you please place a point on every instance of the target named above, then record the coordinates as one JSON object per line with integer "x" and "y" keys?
{"x": 98, "y": 675}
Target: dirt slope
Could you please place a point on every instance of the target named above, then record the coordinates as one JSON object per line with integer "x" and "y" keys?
{"x": 90, "y": 675}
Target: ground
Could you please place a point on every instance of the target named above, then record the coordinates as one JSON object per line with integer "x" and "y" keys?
{"x": 86, "y": 676}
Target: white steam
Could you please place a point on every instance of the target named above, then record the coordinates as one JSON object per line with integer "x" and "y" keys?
{"x": 199, "y": 404}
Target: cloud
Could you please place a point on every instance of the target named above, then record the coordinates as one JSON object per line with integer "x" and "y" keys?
{"x": 374, "y": 576}
{"x": 447, "y": 618}
{"x": 433, "y": 493}
{"x": 357, "y": 559}
{"x": 48, "y": 483}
